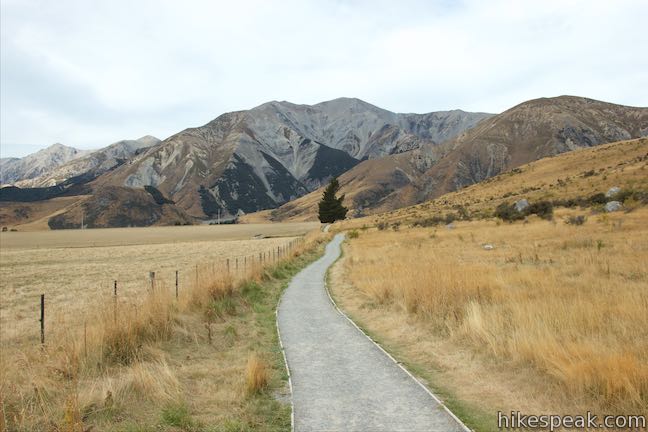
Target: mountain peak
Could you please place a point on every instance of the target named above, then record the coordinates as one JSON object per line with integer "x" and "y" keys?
{"x": 148, "y": 140}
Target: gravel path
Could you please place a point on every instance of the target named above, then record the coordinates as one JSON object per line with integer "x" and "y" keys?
{"x": 341, "y": 381}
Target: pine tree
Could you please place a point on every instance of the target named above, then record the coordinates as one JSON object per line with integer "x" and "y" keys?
{"x": 330, "y": 207}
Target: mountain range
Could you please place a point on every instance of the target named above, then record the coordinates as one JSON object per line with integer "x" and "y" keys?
{"x": 274, "y": 153}
{"x": 529, "y": 131}
{"x": 42, "y": 162}
{"x": 278, "y": 155}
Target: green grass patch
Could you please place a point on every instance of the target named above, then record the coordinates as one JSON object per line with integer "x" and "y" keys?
{"x": 178, "y": 415}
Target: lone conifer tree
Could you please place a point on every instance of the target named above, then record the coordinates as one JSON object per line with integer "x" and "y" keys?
{"x": 330, "y": 207}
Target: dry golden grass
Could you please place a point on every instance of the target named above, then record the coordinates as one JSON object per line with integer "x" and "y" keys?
{"x": 117, "y": 365}
{"x": 30, "y": 216}
{"x": 566, "y": 304}
{"x": 578, "y": 173}
{"x": 76, "y": 268}
{"x": 256, "y": 376}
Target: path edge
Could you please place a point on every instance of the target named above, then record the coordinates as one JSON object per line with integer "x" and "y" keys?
{"x": 423, "y": 386}
{"x": 283, "y": 352}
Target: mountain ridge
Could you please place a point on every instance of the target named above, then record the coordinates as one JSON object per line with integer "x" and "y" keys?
{"x": 210, "y": 168}
{"x": 528, "y": 131}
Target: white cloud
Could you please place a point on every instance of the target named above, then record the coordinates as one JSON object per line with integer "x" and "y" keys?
{"x": 91, "y": 73}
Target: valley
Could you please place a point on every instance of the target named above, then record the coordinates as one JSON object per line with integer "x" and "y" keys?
{"x": 323, "y": 216}
{"x": 483, "y": 252}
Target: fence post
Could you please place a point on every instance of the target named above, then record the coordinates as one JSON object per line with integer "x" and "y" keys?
{"x": 228, "y": 266}
{"x": 115, "y": 302}
{"x": 85, "y": 339}
{"x": 176, "y": 284}
{"x": 152, "y": 277}
{"x": 42, "y": 319}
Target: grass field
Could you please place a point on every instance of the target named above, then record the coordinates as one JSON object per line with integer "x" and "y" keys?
{"x": 75, "y": 268}
{"x": 146, "y": 361}
{"x": 552, "y": 319}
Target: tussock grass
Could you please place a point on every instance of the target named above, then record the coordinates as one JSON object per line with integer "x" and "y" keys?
{"x": 256, "y": 375}
{"x": 131, "y": 357}
{"x": 569, "y": 302}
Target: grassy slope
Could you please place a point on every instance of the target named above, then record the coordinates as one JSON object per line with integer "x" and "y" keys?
{"x": 526, "y": 325}
{"x": 574, "y": 174}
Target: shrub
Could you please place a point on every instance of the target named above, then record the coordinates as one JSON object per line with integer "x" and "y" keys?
{"x": 598, "y": 198}
{"x": 544, "y": 209}
{"x": 428, "y": 222}
{"x": 382, "y": 226}
{"x": 353, "y": 234}
{"x": 507, "y": 212}
{"x": 462, "y": 213}
{"x": 576, "y": 220}
{"x": 449, "y": 218}
{"x": 396, "y": 226}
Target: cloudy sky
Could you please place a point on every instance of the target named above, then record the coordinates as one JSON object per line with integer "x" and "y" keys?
{"x": 88, "y": 74}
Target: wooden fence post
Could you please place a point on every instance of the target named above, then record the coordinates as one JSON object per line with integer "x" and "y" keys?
{"x": 85, "y": 339}
{"x": 152, "y": 277}
{"x": 176, "y": 284}
{"x": 115, "y": 303}
{"x": 42, "y": 318}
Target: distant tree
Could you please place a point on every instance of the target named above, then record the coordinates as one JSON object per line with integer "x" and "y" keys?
{"x": 330, "y": 207}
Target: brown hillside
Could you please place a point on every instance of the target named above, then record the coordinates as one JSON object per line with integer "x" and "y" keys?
{"x": 577, "y": 174}
{"x": 527, "y": 132}
{"x": 113, "y": 206}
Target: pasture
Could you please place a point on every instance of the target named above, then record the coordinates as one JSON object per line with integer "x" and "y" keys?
{"x": 145, "y": 359}
{"x": 75, "y": 268}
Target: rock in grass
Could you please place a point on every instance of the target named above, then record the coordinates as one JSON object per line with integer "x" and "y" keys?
{"x": 522, "y": 204}
{"x": 488, "y": 246}
{"x": 611, "y": 193}
{"x": 613, "y": 206}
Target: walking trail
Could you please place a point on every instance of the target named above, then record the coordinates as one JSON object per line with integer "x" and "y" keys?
{"x": 341, "y": 380}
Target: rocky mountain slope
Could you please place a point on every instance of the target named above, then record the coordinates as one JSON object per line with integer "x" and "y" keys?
{"x": 37, "y": 164}
{"x": 527, "y": 132}
{"x": 114, "y": 206}
{"x": 92, "y": 164}
{"x": 532, "y": 130}
{"x": 279, "y": 151}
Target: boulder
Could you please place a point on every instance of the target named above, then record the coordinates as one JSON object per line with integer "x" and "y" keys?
{"x": 522, "y": 204}
{"x": 612, "y": 192}
{"x": 488, "y": 246}
{"x": 613, "y": 206}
